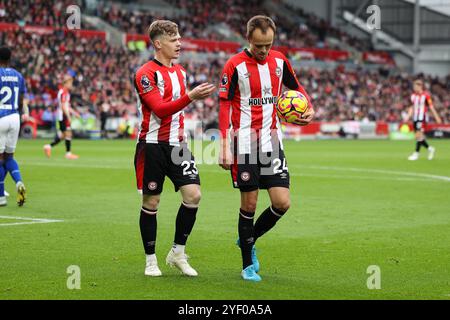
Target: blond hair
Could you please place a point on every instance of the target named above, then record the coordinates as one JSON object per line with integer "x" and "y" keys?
{"x": 162, "y": 27}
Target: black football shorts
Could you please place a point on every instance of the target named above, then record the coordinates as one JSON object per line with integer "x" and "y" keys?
{"x": 251, "y": 172}
{"x": 153, "y": 162}
{"x": 419, "y": 126}
{"x": 64, "y": 124}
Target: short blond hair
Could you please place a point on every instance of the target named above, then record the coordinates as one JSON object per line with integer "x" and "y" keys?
{"x": 162, "y": 27}
{"x": 66, "y": 77}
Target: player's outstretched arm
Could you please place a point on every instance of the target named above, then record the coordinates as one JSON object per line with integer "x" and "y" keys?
{"x": 409, "y": 115}
{"x": 435, "y": 114}
{"x": 152, "y": 98}
{"x": 74, "y": 112}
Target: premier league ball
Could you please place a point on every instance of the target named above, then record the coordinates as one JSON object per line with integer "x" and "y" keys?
{"x": 291, "y": 105}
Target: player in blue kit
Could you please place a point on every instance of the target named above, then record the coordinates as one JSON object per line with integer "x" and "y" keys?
{"x": 12, "y": 90}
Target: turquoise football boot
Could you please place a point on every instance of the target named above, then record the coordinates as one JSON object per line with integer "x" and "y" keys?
{"x": 250, "y": 274}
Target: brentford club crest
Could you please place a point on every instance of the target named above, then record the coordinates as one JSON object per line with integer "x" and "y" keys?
{"x": 245, "y": 176}
{"x": 152, "y": 185}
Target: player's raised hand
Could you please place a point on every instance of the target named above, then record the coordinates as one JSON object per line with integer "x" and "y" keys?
{"x": 75, "y": 113}
{"x": 201, "y": 91}
{"x": 307, "y": 117}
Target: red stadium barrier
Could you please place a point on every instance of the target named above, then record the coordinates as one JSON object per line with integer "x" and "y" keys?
{"x": 49, "y": 30}
{"x": 87, "y": 33}
{"x": 135, "y": 37}
{"x": 378, "y": 58}
{"x": 436, "y": 126}
{"x": 38, "y": 30}
{"x": 312, "y": 128}
{"x": 382, "y": 128}
{"x": 8, "y": 26}
{"x": 315, "y": 53}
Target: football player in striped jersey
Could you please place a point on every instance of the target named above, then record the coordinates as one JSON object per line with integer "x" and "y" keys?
{"x": 421, "y": 103}
{"x": 161, "y": 149}
{"x": 251, "y": 83}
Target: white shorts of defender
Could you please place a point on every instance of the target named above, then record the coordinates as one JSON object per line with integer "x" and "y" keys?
{"x": 9, "y": 132}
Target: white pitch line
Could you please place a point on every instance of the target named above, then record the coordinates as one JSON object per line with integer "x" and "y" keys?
{"x": 401, "y": 173}
{"x": 351, "y": 177}
{"x": 68, "y": 165}
{"x": 30, "y": 221}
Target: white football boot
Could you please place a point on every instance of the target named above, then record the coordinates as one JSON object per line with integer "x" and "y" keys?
{"x": 6, "y": 194}
{"x": 414, "y": 156}
{"x": 48, "y": 150}
{"x": 431, "y": 151}
{"x": 151, "y": 266}
{"x": 179, "y": 260}
{"x": 3, "y": 201}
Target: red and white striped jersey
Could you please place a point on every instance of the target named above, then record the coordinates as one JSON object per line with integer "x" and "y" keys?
{"x": 62, "y": 99}
{"x": 253, "y": 87}
{"x": 420, "y": 103}
{"x": 170, "y": 83}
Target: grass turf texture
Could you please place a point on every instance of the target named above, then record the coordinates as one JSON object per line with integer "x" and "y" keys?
{"x": 354, "y": 204}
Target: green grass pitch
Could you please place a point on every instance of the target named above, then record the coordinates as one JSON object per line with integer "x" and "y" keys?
{"x": 354, "y": 204}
